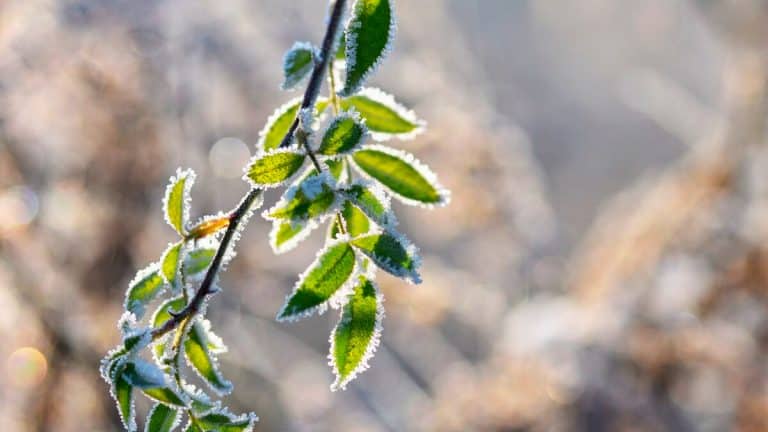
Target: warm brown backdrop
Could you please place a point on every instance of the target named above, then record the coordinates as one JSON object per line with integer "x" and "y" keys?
{"x": 602, "y": 266}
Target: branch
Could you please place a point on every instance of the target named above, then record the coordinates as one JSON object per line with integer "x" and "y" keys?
{"x": 236, "y": 217}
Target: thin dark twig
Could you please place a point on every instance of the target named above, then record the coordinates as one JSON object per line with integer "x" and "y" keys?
{"x": 236, "y": 217}
{"x": 318, "y": 73}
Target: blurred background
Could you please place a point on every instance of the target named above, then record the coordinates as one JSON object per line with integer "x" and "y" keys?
{"x": 602, "y": 267}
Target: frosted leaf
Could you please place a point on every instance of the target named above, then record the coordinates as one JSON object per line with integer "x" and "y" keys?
{"x": 345, "y": 134}
{"x": 159, "y": 318}
{"x": 214, "y": 343}
{"x": 285, "y": 235}
{"x": 198, "y": 260}
{"x": 163, "y": 312}
{"x": 337, "y": 168}
{"x": 152, "y": 382}
{"x": 355, "y": 222}
{"x": 132, "y": 343}
{"x": 177, "y": 198}
{"x": 356, "y": 336}
{"x": 122, "y": 393}
{"x": 145, "y": 286}
{"x": 369, "y": 35}
{"x": 144, "y": 375}
{"x": 373, "y": 201}
{"x": 314, "y": 185}
{"x": 170, "y": 265}
{"x": 297, "y": 63}
{"x": 314, "y": 198}
{"x": 384, "y": 116}
{"x": 391, "y": 252}
{"x": 278, "y": 124}
{"x": 208, "y": 225}
{"x": 401, "y": 174}
{"x": 199, "y": 350}
{"x": 274, "y": 168}
{"x": 162, "y": 418}
{"x": 324, "y": 278}
{"x": 200, "y": 403}
{"x": 223, "y": 420}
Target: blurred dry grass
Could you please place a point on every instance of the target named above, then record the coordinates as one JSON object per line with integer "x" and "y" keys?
{"x": 601, "y": 267}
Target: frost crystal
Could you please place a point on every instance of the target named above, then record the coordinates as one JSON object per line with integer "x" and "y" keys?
{"x": 307, "y": 119}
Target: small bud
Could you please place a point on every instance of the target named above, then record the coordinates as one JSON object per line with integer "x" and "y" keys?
{"x": 208, "y": 227}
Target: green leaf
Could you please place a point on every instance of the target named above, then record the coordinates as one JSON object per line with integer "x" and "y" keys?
{"x": 132, "y": 342}
{"x": 199, "y": 356}
{"x": 144, "y": 287}
{"x": 123, "y": 395}
{"x": 357, "y": 334}
{"x": 343, "y": 136}
{"x": 401, "y": 174}
{"x": 170, "y": 264}
{"x": 143, "y": 375}
{"x": 355, "y": 221}
{"x": 278, "y": 124}
{"x": 225, "y": 422}
{"x": 391, "y": 253}
{"x": 200, "y": 403}
{"x": 152, "y": 382}
{"x": 162, "y": 418}
{"x": 313, "y": 198}
{"x": 297, "y": 63}
{"x": 164, "y": 395}
{"x": 162, "y": 314}
{"x": 274, "y": 168}
{"x": 373, "y": 202}
{"x": 285, "y": 235}
{"x": 320, "y": 282}
{"x": 336, "y": 168}
{"x": 198, "y": 260}
{"x": 176, "y": 200}
{"x": 160, "y": 317}
{"x": 369, "y": 35}
{"x": 384, "y": 117}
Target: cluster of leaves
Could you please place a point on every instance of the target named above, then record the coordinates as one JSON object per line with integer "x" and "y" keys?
{"x": 335, "y": 171}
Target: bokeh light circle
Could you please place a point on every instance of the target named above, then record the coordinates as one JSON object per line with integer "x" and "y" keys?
{"x": 26, "y": 368}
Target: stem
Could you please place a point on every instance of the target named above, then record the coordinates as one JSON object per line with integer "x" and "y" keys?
{"x": 332, "y": 90}
{"x": 236, "y": 217}
{"x": 336, "y": 108}
{"x": 316, "y": 80}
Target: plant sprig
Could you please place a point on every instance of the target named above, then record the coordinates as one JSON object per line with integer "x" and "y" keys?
{"x": 348, "y": 183}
